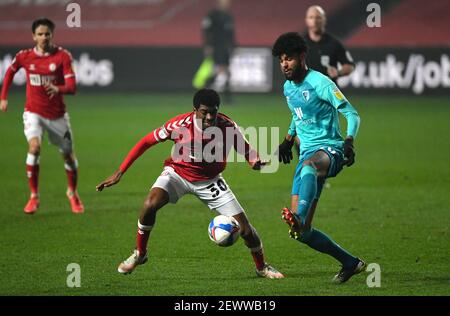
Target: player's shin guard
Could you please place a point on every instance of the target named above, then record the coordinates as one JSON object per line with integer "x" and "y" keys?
{"x": 72, "y": 175}
{"x": 252, "y": 239}
{"x": 258, "y": 256}
{"x": 319, "y": 241}
{"x": 143, "y": 234}
{"x": 308, "y": 190}
{"x": 32, "y": 167}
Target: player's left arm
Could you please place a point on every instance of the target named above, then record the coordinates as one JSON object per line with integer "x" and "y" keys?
{"x": 353, "y": 122}
{"x": 158, "y": 135}
{"x": 69, "y": 86}
{"x": 334, "y": 96}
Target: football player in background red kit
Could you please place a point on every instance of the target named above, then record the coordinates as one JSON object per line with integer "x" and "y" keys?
{"x": 193, "y": 170}
{"x": 49, "y": 75}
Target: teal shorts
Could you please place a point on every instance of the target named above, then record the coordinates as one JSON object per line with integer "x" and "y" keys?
{"x": 336, "y": 163}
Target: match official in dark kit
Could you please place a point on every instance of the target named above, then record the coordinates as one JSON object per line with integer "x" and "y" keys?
{"x": 326, "y": 53}
{"x": 219, "y": 42}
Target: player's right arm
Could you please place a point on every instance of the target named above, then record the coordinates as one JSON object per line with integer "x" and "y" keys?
{"x": 145, "y": 143}
{"x": 156, "y": 136}
{"x": 334, "y": 96}
{"x": 7, "y": 81}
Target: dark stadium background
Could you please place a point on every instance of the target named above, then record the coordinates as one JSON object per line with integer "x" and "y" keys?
{"x": 155, "y": 45}
{"x": 135, "y": 61}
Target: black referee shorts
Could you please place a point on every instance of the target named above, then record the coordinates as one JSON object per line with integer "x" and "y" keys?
{"x": 221, "y": 56}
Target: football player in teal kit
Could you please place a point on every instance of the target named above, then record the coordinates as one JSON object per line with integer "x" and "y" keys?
{"x": 314, "y": 101}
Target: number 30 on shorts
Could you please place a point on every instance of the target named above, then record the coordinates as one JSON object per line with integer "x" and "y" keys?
{"x": 215, "y": 188}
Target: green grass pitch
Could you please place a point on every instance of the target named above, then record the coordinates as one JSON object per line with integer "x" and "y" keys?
{"x": 392, "y": 207}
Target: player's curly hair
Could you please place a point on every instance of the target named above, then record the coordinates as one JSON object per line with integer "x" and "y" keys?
{"x": 208, "y": 97}
{"x": 291, "y": 44}
{"x": 43, "y": 21}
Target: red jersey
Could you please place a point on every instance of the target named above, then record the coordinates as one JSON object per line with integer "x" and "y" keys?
{"x": 198, "y": 155}
{"x": 54, "y": 67}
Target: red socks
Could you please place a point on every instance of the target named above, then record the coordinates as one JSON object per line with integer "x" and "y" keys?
{"x": 72, "y": 176}
{"x": 258, "y": 257}
{"x": 33, "y": 178}
{"x": 32, "y": 167}
{"x": 143, "y": 234}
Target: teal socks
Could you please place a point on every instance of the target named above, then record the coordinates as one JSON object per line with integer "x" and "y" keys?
{"x": 321, "y": 242}
{"x": 308, "y": 190}
{"x": 315, "y": 238}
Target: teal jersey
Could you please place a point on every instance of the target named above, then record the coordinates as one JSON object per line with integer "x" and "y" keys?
{"x": 314, "y": 105}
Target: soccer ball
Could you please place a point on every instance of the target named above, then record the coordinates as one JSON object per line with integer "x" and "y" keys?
{"x": 224, "y": 230}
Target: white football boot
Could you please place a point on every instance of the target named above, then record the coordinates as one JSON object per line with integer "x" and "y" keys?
{"x": 132, "y": 262}
{"x": 269, "y": 272}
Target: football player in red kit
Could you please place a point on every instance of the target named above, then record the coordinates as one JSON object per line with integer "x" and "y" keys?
{"x": 203, "y": 138}
{"x": 49, "y": 75}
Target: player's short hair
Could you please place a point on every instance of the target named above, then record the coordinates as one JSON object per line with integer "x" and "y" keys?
{"x": 42, "y": 21}
{"x": 207, "y": 97}
{"x": 291, "y": 43}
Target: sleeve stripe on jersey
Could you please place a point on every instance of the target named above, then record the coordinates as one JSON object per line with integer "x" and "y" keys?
{"x": 185, "y": 122}
{"x": 177, "y": 124}
{"x": 174, "y": 125}
{"x": 155, "y": 134}
{"x": 169, "y": 126}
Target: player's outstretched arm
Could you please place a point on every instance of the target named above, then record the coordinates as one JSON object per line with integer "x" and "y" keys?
{"x": 110, "y": 181}
{"x": 145, "y": 143}
{"x": 4, "y": 105}
{"x": 259, "y": 164}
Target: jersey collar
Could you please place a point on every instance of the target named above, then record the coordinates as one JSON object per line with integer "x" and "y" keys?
{"x": 38, "y": 53}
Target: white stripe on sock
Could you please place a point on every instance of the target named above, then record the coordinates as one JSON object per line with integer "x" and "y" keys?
{"x": 32, "y": 160}
{"x": 144, "y": 227}
{"x": 71, "y": 168}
